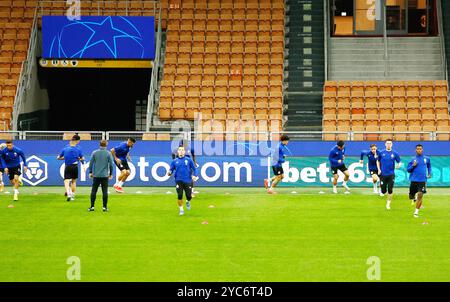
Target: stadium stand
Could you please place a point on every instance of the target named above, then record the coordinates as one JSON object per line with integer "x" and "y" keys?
{"x": 16, "y": 18}
{"x": 223, "y": 59}
{"x": 386, "y": 106}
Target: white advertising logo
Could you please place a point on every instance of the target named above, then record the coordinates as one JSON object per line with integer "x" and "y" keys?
{"x": 37, "y": 171}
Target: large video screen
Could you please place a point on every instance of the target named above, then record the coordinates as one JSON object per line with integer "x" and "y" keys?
{"x": 99, "y": 37}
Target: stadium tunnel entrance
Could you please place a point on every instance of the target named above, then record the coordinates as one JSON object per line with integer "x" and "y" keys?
{"x": 101, "y": 99}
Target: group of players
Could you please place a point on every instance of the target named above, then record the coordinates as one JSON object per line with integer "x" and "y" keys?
{"x": 381, "y": 166}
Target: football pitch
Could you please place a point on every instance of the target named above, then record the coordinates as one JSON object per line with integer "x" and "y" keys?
{"x": 230, "y": 234}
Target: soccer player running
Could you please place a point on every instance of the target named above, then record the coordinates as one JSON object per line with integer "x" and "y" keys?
{"x": 2, "y": 169}
{"x": 278, "y": 159}
{"x": 189, "y": 153}
{"x": 372, "y": 157}
{"x": 386, "y": 169}
{"x": 75, "y": 139}
{"x": 121, "y": 155}
{"x": 185, "y": 173}
{"x": 420, "y": 170}
{"x": 10, "y": 158}
{"x": 337, "y": 158}
{"x": 71, "y": 155}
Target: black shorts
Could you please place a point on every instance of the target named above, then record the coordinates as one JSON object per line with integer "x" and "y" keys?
{"x": 71, "y": 172}
{"x": 373, "y": 172}
{"x": 184, "y": 187}
{"x": 123, "y": 165}
{"x": 277, "y": 170}
{"x": 387, "y": 184}
{"x": 14, "y": 171}
{"x": 416, "y": 187}
{"x": 341, "y": 168}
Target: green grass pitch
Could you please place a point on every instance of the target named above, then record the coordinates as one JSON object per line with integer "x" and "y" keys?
{"x": 250, "y": 236}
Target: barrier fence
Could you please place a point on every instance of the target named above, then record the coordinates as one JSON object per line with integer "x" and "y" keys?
{"x": 233, "y": 136}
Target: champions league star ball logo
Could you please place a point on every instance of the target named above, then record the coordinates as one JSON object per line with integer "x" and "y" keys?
{"x": 37, "y": 171}
{"x": 105, "y": 38}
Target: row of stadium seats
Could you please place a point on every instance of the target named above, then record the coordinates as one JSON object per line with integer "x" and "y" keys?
{"x": 222, "y": 10}
{"x": 227, "y": 70}
{"x": 388, "y": 107}
{"x": 386, "y": 86}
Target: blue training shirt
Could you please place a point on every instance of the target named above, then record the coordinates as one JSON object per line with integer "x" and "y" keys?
{"x": 387, "y": 161}
{"x": 335, "y": 155}
{"x": 71, "y": 154}
{"x": 122, "y": 151}
{"x": 279, "y": 156}
{"x": 372, "y": 159}
{"x": 183, "y": 168}
{"x": 420, "y": 172}
{"x": 11, "y": 158}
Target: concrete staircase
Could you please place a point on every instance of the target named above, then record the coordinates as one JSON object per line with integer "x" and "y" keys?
{"x": 304, "y": 64}
{"x": 409, "y": 58}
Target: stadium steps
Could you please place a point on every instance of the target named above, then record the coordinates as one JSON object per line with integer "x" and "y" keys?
{"x": 304, "y": 68}
{"x": 446, "y": 24}
{"x": 363, "y": 59}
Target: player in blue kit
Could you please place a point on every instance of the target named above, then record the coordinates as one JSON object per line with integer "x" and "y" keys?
{"x": 121, "y": 155}
{"x": 11, "y": 158}
{"x": 185, "y": 173}
{"x": 419, "y": 169}
{"x": 189, "y": 153}
{"x": 71, "y": 155}
{"x": 337, "y": 158}
{"x": 372, "y": 157}
{"x": 2, "y": 169}
{"x": 386, "y": 169}
{"x": 278, "y": 159}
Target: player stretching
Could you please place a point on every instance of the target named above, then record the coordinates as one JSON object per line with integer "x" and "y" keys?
{"x": 185, "y": 173}
{"x": 420, "y": 170}
{"x": 278, "y": 159}
{"x": 372, "y": 157}
{"x": 2, "y": 169}
{"x": 336, "y": 158}
{"x": 121, "y": 155}
{"x": 386, "y": 170}
{"x": 189, "y": 153}
{"x": 10, "y": 158}
{"x": 71, "y": 155}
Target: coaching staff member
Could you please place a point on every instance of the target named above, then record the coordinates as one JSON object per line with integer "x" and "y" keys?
{"x": 100, "y": 169}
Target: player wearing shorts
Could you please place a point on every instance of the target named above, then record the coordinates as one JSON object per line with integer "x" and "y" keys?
{"x": 189, "y": 153}
{"x": 10, "y": 158}
{"x": 278, "y": 159}
{"x": 185, "y": 173}
{"x": 71, "y": 155}
{"x": 121, "y": 155}
{"x": 372, "y": 167}
{"x": 386, "y": 169}
{"x": 2, "y": 169}
{"x": 419, "y": 169}
{"x": 337, "y": 158}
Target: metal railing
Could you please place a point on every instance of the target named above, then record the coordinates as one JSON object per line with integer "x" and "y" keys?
{"x": 154, "y": 79}
{"x": 25, "y": 74}
{"x": 326, "y": 34}
{"x": 441, "y": 36}
{"x": 230, "y": 135}
{"x": 385, "y": 42}
{"x": 61, "y": 135}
